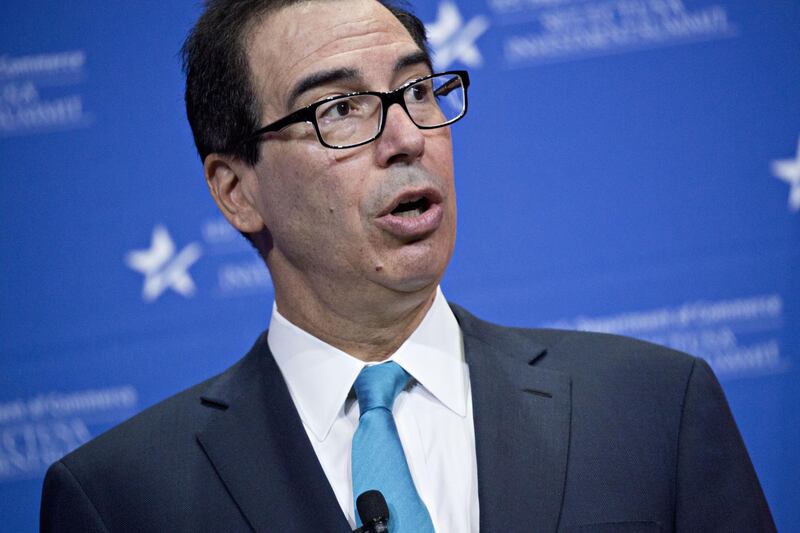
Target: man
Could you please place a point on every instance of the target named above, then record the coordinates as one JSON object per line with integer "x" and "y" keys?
{"x": 350, "y": 199}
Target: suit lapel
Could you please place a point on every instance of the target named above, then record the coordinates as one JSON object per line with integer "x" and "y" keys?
{"x": 522, "y": 424}
{"x": 259, "y": 448}
{"x": 257, "y": 444}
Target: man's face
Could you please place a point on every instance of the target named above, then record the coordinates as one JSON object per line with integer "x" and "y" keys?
{"x": 332, "y": 213}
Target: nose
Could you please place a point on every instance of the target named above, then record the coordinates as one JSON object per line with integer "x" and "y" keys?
{"x": 401, "y": 141}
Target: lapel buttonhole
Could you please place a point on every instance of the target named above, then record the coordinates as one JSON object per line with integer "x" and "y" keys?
{"x": 538, "y": 393}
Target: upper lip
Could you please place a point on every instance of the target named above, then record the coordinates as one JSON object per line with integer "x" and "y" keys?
{"x": 428, "y": 193}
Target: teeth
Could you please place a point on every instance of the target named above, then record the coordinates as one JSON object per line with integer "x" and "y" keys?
{"x": 412, "y": 207}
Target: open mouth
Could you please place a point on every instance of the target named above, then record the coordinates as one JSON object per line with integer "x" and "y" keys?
{"x": 412, "y": 215}
{"x": 412, "y": 208}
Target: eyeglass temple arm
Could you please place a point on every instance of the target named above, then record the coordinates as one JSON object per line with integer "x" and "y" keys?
{"x": 461, "y": 78}
{"x": 277, "y": 125}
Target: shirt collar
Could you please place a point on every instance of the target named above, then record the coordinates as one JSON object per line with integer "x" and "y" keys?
{"x": 320, "y": 376}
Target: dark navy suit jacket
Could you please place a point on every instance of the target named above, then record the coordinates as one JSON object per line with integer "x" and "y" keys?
{"x": 574, "y": 432}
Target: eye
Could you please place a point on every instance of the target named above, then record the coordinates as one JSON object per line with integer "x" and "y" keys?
{"x": 342, "y": 109}
{"x": 419, "y": 93}
{"x": 338, "y": 109}
{"x": 349, "y": 109}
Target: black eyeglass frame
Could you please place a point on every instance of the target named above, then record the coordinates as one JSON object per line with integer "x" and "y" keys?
{"x": 308, "y": 113}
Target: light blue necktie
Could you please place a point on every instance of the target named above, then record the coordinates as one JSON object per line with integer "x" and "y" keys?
{"x": 378, "y": 459}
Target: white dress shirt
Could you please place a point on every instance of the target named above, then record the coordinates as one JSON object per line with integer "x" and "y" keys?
{"x": 433, "y": 415}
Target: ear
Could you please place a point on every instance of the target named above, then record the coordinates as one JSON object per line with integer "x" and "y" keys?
{"x": 225, "y": 176}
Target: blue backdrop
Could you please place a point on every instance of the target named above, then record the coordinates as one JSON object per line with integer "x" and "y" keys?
{"x": 630, "y": 166}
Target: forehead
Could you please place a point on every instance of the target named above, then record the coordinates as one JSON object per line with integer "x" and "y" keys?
{"x": 321, "y": 35}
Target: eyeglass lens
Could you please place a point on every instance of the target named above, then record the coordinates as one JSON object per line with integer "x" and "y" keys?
{"x": 351, "y": 120}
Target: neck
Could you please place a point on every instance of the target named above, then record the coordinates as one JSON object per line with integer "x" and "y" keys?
{"x": 369, "y": 330}
{"x": 367, "y": 317}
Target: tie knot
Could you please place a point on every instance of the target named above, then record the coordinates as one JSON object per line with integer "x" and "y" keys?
{"x": 379, "y": 385}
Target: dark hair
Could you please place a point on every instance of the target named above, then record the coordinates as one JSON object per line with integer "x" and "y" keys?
{"x": 221, "y": 103}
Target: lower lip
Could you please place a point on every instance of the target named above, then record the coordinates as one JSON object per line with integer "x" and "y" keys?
{"x": 411, "y": 228}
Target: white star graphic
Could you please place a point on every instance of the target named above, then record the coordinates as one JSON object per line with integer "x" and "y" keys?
{"x": 788, "y": 170}
{"x": 162, "y": 269}
{"x": 453, "y": 40}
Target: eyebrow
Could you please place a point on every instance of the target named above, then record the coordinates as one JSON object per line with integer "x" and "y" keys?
{"x": 318, "y": 79}
{"x": 325, "y": 77}
{"x": 414, "y": 58}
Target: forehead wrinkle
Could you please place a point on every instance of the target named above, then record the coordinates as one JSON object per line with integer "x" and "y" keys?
{"x": 341, "y": 32}
{"x": 345, "y": 53}
{"x": 337, "y": 43}
{"x": 373, "y": 37}
{"x": 367, "y": 26}
{"x": 375, "y": 32}
{"x": 334, "y": 61}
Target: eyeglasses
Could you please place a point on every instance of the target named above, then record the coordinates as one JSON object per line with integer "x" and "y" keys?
{"x": 359, "y": 118}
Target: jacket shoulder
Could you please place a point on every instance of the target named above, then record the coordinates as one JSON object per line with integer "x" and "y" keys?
{"x": 169, "y": 423}
{"x": 576, "y": 351}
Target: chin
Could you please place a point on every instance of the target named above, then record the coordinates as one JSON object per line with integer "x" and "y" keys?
{"x": 413, "y": 267}
{"x": 417, "y": 284}
{"x": 411, "y": 276}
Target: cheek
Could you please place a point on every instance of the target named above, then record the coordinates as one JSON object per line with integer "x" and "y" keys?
{"x": 439, "y": 153}
{"x": 325, "y": 185}
{"x": 281, "y": 191}
{"x": 316, "y": 193}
